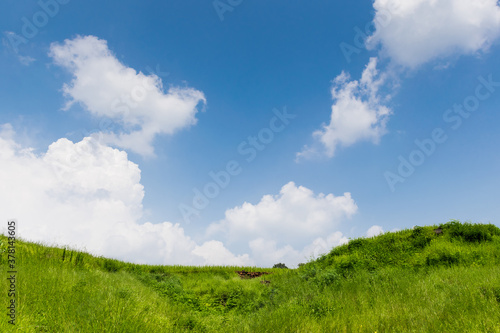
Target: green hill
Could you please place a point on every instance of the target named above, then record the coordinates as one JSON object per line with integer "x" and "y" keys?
{"x": 442, "y": 278}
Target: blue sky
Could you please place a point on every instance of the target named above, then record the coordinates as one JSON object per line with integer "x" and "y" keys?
{"x": 164, "y": 94}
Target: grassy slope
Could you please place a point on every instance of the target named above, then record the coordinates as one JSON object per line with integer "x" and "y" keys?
{"x": 409, "y": 281}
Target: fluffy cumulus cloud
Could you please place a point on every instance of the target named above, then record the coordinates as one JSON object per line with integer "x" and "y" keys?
{"x": 323, "y": 245}
{"x": 108, "y": 89}
{"x": 287, "y": 227}
{"x": 374, "y": 231}
{"x": 88, "y": 195}
{"x": 410, "y": 33}
{"x": 358, "y": 113}
{"x": 215, "y": 253}
{"x": 413, "y": 32}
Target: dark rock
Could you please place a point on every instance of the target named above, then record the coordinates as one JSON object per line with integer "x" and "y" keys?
{"x": 438, "y": 231}
{"x": 250, "y": 275}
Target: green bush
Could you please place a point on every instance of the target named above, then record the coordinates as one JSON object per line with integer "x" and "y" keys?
{"x": 308, "y": 271}
{"x": 347, "y": 264}
{"x": 110, "y": 265}
{"x": 472, "y": 233}
{"x": 356, "y": 244}
{"x": 327, "y": 277}
{"x": 420, "y": 238}
{"x": 163, "y": 283}
{"x": 443, "y": 255}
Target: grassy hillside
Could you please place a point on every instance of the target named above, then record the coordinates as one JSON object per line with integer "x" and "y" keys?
{"x": 408, "y": 281}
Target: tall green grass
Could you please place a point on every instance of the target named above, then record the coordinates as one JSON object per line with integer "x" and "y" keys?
{"x": 409, "y": 281}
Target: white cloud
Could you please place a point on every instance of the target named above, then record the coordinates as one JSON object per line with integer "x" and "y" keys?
{"x": 88, "y": 195}
{"x": 287, "y": 227}
{"x": 358, "y": 113}
{"x": 324, "y": 245}
{"x": 109, "y": 89}
{"x": 215, "y": 253}
{"x": 267, "y": 252}
{"x": 374, "y": 231}
{"x": 413, "y": 32}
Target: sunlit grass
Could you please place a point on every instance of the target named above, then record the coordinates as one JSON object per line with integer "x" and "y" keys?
{"x": 409, "y": 281}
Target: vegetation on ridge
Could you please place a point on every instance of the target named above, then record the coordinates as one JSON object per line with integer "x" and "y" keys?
{"x": 441, "y": 278}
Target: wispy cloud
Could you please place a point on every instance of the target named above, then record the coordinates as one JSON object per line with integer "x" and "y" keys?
{"x": 8, "y": 45}
{"x": 26, "y": 60}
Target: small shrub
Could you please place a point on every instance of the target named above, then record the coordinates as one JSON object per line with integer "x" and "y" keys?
{"x": 443, "y": 255}
{"x": 167, "y": 285}
{"x": 345, "y": 265}
{"x": 163, "y": 283}
{"x": 356, "y": 244}
{"x": 472, "y": 233}
{"x": 308, "y": 272}
{"x": 421, "y": 241}
{"x": 230, "y": 297}
{"x": 417, "y": 230}
{"x": 327, "y": 278}
{"x": 419, "y": 238}
{"x": 280, "y": 265}
{"x": 111, "y": 266}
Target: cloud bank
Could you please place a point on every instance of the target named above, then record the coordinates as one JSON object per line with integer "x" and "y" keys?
{"x": 108, "y": 89}
{"x": 89, "y": 196}
{"x": 296, "y": 217}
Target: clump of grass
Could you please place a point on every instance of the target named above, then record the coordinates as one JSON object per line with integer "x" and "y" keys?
{"x": 471, "y": 232}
